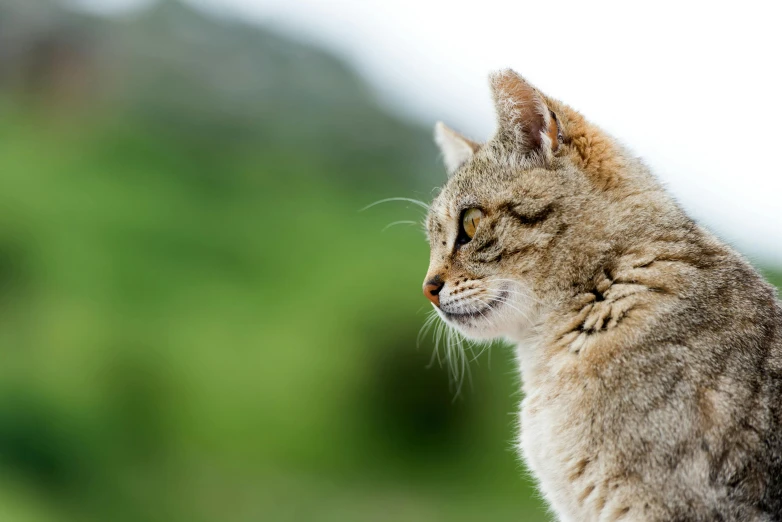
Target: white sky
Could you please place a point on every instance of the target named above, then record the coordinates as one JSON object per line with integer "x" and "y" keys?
{"x": 694, "y": 88}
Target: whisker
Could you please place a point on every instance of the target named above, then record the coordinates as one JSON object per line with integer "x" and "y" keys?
{"x": 490, "y": 321}
{"x": 456, "y": 349}
{"x": 449, "y": 354}
{"x": 500, "y": 299}
{"x": 489, "y": 346}
{"x": 526, "y": 294}
{"x": 451, "y": 348}
{"x": 425, "y": 328}
{"x": 483, "y": 349}
{"x": 398, "y": 223}
{"x": 435, "y": 355}
{"x": 386, "y": 200}
{"x": 438, "y": 336}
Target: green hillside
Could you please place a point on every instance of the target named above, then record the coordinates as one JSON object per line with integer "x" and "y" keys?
{"x": 198, "y": 323}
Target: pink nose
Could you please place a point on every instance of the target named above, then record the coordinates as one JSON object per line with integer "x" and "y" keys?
{"x": 432, "y": 290}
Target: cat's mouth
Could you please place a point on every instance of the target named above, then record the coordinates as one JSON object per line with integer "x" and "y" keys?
{"x": 465, "y": 316}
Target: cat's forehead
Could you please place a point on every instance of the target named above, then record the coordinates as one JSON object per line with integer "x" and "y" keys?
{"x": 441, "y": 211}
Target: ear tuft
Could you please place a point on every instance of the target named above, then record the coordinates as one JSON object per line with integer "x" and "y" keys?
{"x": 456, "y": 149}
{"x": 524, "y": 119}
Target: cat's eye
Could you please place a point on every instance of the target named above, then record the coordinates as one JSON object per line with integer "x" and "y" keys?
{"x": 470, "y": 220}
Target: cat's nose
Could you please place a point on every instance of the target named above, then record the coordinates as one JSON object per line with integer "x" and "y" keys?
{"x": 432, "y": 289}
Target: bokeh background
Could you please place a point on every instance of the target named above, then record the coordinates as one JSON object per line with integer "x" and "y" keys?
{"x": 197, "y": 322}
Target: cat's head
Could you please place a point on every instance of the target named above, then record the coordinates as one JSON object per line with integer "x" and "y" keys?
{"x": 521, "y": 216}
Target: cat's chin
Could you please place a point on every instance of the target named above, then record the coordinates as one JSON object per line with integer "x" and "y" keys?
{"x": 474, "y": 326}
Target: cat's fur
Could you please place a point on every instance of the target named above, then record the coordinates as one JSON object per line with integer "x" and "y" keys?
{"x": 650, "y": 352}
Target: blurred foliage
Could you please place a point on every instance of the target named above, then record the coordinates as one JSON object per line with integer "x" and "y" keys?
{"x": 198, "y": 323}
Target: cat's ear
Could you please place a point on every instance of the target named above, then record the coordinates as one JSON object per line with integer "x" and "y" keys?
{"x": 456, "y": 149}
{"x": 526, "y": 123}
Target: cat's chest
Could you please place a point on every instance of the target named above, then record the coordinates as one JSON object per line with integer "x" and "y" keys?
{"x": 547, "y": 457}
{"x": 552, "y": 444}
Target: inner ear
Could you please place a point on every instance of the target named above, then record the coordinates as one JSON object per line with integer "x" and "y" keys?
{"x": 553, "y": 131}
{"x": 524, "y": 118}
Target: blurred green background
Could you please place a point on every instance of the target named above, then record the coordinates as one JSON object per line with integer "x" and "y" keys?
{"x": 196, "y": 321}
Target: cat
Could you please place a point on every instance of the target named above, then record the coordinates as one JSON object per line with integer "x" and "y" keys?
{"x": 650, "y": 352}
